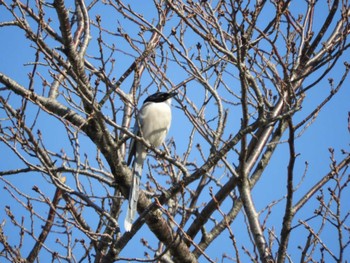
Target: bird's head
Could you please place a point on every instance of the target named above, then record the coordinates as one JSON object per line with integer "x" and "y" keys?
{"x": 160, "y": 97}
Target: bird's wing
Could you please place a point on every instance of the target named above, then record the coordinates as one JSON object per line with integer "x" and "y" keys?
{"x": 132, "y": 146}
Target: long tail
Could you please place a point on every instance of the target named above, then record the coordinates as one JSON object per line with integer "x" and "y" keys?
{"x": 133, "y": 195}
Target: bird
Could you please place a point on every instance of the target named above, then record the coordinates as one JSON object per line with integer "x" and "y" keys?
{"x": 152, "y": 123}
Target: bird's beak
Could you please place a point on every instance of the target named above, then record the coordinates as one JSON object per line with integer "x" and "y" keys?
{"x": 172, "y": 94}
